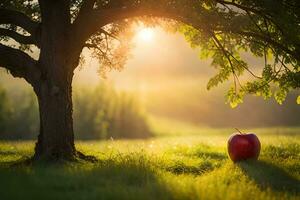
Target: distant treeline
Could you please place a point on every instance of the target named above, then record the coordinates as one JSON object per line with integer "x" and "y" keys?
{"x": 99, "y": 113}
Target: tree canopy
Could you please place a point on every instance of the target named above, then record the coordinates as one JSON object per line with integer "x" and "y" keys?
{"x": 222, "y": 29}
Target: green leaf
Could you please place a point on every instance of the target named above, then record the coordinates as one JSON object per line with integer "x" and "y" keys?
{"x": 233, "y": 97}
{"x": 222, "y": 76}
{"x": 280, "y": 95}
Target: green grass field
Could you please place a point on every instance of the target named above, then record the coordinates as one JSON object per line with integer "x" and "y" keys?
{"x": 171, "y": 166}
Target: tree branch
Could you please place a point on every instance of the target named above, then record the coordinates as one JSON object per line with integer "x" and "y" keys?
{"x": 19, "y": 64}
{"x": 260, "y": 13}
{"x": 18, "y": 19}
{"x": 95, "y": 19}
{"x": 86, "y": 7}
{"x": 18, "y": 37}
{"x": 220, "y": 46}
{"x": 242, "y": 7}
{"x": 228, "y": 54}
{"x": 269, "y": 40}
{"x": 92, "y": 21}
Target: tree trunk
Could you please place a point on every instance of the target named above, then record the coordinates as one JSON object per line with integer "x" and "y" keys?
{"x": 56, "y": 138}
{"x": 54, "y": 91}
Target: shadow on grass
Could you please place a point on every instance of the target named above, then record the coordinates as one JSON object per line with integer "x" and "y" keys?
{"x": 211, "y": 155}
{"x": 268, "y": 175}
{"x": 8, "y": 153}
{"x": 10, "y": 158}
{"x": 182, "y": 168}
{"x": 211, "y": 161}
{"x": 124, "y": 177}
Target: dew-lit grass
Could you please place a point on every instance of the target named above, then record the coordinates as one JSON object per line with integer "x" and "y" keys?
{"x": 168, "y": 167}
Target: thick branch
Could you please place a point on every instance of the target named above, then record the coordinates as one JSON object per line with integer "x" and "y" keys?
{"x": 87, "y": 6}
{"x": 96, "y": 19}
{"x": 18, "y": 19}
{"x": 242, "y": 7}
{"x": 256, "y": 11}
{"x": 19, "y": 64}
{"x": 18, "y": 37}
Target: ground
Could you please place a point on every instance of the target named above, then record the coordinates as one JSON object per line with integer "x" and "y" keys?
{"x": 173, "y": 166}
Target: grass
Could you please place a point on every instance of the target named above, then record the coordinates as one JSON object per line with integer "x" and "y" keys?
{"x": 166, "y": 167}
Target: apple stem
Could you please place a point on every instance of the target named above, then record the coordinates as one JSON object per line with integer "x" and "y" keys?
{"x": 239, "y": 131}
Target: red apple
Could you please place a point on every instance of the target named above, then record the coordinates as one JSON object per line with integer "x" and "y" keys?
{"x": 242, "y": 146}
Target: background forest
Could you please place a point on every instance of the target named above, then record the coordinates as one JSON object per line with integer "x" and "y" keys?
{"x": 103, "y": 110}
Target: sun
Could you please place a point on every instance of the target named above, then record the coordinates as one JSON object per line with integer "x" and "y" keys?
{"x": 145, "y": 34}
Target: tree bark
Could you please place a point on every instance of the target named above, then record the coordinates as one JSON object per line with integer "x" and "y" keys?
{"x": 54, "y": 90}
{"x": 56, "y": 138}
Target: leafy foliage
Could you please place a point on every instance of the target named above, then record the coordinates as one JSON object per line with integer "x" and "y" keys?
{"x": 222, "y": 29}
{"x": 111, "y": 46}
{"x": 256, "y": 27}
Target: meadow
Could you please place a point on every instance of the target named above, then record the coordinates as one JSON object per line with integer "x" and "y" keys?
{"x": 140, "y": 101}
{"x": 171, "y": 165}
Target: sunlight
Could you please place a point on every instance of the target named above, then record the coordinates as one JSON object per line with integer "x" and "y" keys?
{"x": 145, "y": 34}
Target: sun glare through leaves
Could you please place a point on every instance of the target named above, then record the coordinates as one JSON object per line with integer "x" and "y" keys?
{"x": 145, "y": 35}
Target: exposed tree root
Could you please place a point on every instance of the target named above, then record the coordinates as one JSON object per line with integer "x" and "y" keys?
{"x": 89, "y": 158}
{"x": 31, "y": 161}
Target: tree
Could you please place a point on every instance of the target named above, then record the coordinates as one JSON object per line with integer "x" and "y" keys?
{"x": 5, "y": 112}
{"x": 60, "y": 29}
